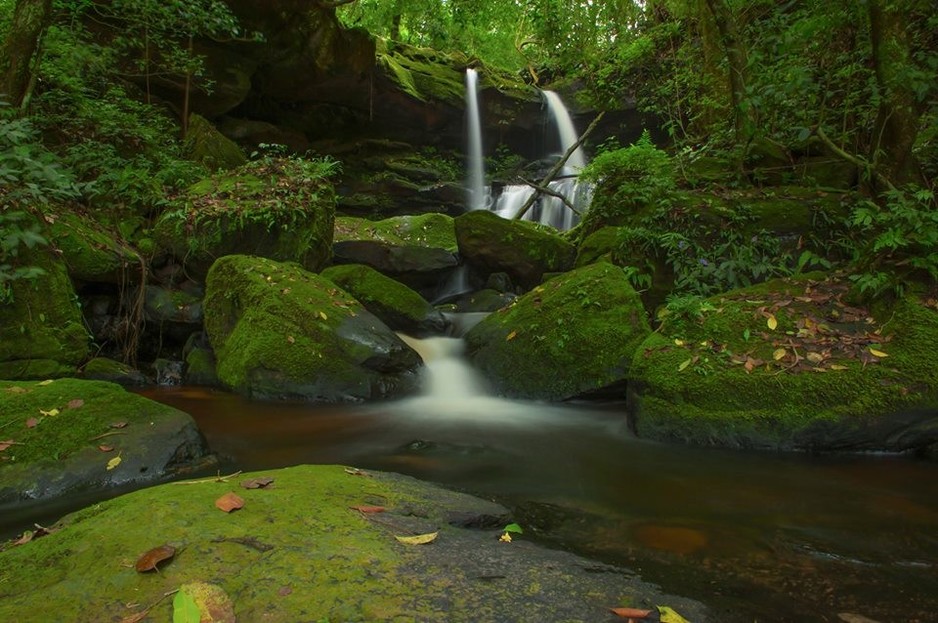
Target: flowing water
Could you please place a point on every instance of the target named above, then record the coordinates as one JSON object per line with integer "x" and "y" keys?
{"x": 756, "y": 536}
{"x": 477, "y": 189}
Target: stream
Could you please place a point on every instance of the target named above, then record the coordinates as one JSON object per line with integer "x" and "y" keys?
{"x": 756, "y": 536}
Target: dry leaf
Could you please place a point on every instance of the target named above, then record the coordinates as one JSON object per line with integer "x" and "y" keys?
{"x": 511, "y": 336}
{"x": 771, "y": 322}
{"x": 779, "y": 354}
{"x": 420, "y": 539}
{"x": 6, "y": 444}
{"x": 323, "y": 315}
{"x": 114, "y": 462}
{"x": 284, "y": 591}
{"x": 678, "y": 342}
{"x": 229, "y": 502}
{"x": 291, "y": 339}
{"x": 151, "y": 559}
{"x": 684, "y": 364}
{"x": 50, "y": 413}
{"x": 32, "y": 422}
{"x": 118, "y": 424}
{"x": 837, "y": 366}
{"x": 74, "y": 404}
{"x": 368, "y": 509}
{"x": 877, "y": 353}
{"x": 46, "y": 382}
{"x": 630, "y": 613}
{"x": 214, "y": 603}
{"x": 354, "y": 471}
{"x": 257, "y": 483}
{"x": 814, "y": 357}
{"x": 104, "y": 448}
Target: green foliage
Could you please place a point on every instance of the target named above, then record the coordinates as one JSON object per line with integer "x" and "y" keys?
{"x": 900, "y": 241}
{"x": 15, "y": 234}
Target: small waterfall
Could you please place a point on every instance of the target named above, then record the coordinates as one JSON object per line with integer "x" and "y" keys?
{"x": 566, "y": 131}
{"x": 477, "y": 198}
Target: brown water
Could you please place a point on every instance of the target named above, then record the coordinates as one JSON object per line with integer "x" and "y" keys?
{"x": 758, "y": 537}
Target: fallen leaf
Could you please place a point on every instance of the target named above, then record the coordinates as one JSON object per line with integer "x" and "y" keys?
{"x": 678, "y": 342}
{"x": 814, "y": 357}
{"x": 6, "y": 444}
{"x": 29, "y": 535}
{"x": 420, "y": 539}
{"x": 630, "y": 613}
{"x": 684, "y": 364}
{"x": 50, "y": 413}
{"x": 779, "y": 353}
{"x": 104, "y": 448}
{"x": 229, "y": 502}
{"x": 323, "y": 315}
{"x": 114, "y": 462}
{"x": 877, "y": 353}
{"x": 152, "y": 558}
{"x": 185, "y": 610}
{"x": 47, "y": 382}
{"x": 354, "y": 471}
{"x": 212, "y": 601}
{"x": 368, "y": 509}
{"x": 257, "y": 483}
{"x": 74, "y": 404}
{"x": 511, "y": 336}
{"x": 32, "y": 422}
{"x": 668, "y": 615}
{"x": 771, "y": 322}
{"x": 505, "y": 538}
{"x": 118, "y": 424}
{"x": 291, "y": 339}
{"x": 837, "y": 366}
{"x": 284, "y": 591}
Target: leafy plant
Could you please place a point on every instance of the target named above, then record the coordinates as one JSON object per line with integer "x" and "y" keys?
{"x": 16, "y": 233}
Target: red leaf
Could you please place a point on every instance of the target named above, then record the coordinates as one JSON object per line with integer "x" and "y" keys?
{"x": 630, "y": 613}
{"x": 32, "y": 422}
{"x": 257, "y": 483}
{"x": 74, "y": 404}
{"x": 149, "y": 560}
{"x": 229, "y": 502}
{"x": 104, "y": 448}
{"x": 368, "y": 509}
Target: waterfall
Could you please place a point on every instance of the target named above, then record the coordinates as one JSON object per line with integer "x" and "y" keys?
{"x": 477, "y": 190}
{"x": 568, "y": 135}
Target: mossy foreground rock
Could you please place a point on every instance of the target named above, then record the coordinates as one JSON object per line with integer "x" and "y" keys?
{"x": 279, "y": 331}
{"x": 524, "y": 250}
{"x": 298, "y": 551}
{"x": 283, "y": 209}
{"x": 58, "y": 426}
{"x": 573, "y": 335}
{"x": 789, "y": 364}
{"x": 398, "y": 306}
{"x": 424, "y": 230}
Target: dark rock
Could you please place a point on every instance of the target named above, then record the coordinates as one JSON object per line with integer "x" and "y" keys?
{"x": 104, "y": 369}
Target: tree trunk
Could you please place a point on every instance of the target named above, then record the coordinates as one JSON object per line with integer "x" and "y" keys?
{"x": 899, "y": 110}
{"x": 737, "y": 59}
{"x": 29, "y": 20}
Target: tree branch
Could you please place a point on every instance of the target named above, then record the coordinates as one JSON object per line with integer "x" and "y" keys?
{"x": 539, "y": 188}
{"x": 553, "y": 193}
{"x": 856, "y": 161}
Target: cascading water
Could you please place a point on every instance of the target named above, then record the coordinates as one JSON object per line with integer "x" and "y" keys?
{"x": 550, "y": 210}
{"x": 477, "y": 198}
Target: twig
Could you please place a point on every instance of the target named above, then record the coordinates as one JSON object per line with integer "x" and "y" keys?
{"x": 218, "y": 478}
{"x": 553, "y": 193}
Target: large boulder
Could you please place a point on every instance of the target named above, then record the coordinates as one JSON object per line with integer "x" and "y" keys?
{"x": 92, "y": 252}
{"x": 279, "y": 331}
{"x": 59, "y": 428}
{"x": 299, "y": 550}
{"x": 523, "y": 250}
{"x": 790, "y": 364}
{"x": 575, "y": 335}
{"x": 41, "y": 328}
{"x": 395, "y": 304}
{"x": 283, "y": 209}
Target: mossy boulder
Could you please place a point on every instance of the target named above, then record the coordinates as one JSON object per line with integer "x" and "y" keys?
{"x": 92, "y": 252}
{"x": 424, "y": 74}
{"x": 790, "y": 364}
{"x": 283, "y": 209}
{"x": 59, "y": 425}
{"x": 299, "y": 551}
{"x": 209, "y": 147}
{"x": 279, "y": 331}
{"x": 523, "y": 250}
{"x": 572, "y": 336}
{"x": 41, "y": 330}
{"x": 395, "y": 304}
{"x": 104, "y": 369}
{"x": 435, "y": 231}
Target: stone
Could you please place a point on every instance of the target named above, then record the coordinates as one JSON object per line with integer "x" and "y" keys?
{"x": 209, "y": 147}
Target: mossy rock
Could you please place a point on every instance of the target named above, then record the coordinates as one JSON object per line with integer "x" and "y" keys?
{"x": 423, "y": 74}
{"x": 424, "y": 230}
{"x": 59, "y": 425}
{"x": 572, "y": 336}
{"x": 299, "y": 551}
{"x": 524, "y": 250}
{"x": 41, "y": 330}
{"x": 283, "y": 209}
{"x": 279, "y": 331}
{"x": 395, "y": 304}
{"x": 789, "y": 364}
{"x": 104, "y": 369}
{"x": 92, "y": 253}
{"x": 209, "y": 147}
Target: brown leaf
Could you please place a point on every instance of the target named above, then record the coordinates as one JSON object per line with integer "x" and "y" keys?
{"x": 229, "y": 502}
{"x": 74, "y": 404}
{"x": 6, "y": 444}
{"x": 104, "y": 448}
{"x": 257, "y": 483}
{"x": 291, "y": 339}
{"x": 118, "y": 424}
{"x": 32, "y": 422}
{"x": 368, "y": 509}
{"x": 284, "y": 591}
{"x": 630, "y": 613}
{"x": 151, "y": 559}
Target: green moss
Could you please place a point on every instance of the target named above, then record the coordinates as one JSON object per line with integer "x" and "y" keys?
{"x": 209, "y": 147}
{"x": 384, "y": 297}
{"x": 598, "y": 246}
{"x": 73, "y": 427}
{"x": 425, "y": 230}
{"x": 91, "y": 252}
{"x": 573, "y": 334}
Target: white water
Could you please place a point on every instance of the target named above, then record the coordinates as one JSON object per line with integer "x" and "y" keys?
{"x": 567, "y": 132}
{"x": 477, "y": 198}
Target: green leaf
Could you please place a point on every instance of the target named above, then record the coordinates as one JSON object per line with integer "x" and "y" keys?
{"x": 185, "y": 610}
{"x": 513, "y": 527}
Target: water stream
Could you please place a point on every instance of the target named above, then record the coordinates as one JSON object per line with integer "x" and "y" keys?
{"x": 476, "y": 187}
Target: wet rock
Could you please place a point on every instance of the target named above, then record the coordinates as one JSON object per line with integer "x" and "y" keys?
{"x": 104, "y": 369}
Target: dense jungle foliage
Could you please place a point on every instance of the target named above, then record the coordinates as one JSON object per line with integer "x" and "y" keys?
{"x": 744, "y": 81}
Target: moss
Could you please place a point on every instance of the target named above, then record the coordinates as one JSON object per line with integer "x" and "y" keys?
{"x": 598, "y": 246}
{"x": 386, "y": 298}
{"x": 91, "y": 252}
{"x": 574, "y": 334}
{"x": 209, "y": 147}
{"x": 75, "y": 425}
{"x": 425, "y": 230}
{"x": 278, "y": 330}
{"x": 424, "y": 74}
{"x": 200, "y": 367}
{"x": 42, "y": 329}
{"x": 690, "y": 380}
{"x": 104, "y": 369}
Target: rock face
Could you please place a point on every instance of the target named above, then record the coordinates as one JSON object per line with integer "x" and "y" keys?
{"x": 395, "y": 304}
{"x": 278, "y": 208}
{"x": 814, "y": 374}
{"x": 58, "y": 455}
{"x": 281, "y": 332}
{"x": 576, "y": 334}
{"x": 523, "y": 250}
{"x": 41, "y": 331}
{"x": 302, "y": 554}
